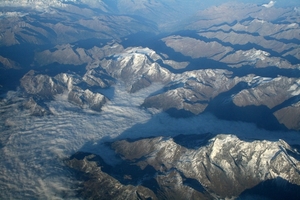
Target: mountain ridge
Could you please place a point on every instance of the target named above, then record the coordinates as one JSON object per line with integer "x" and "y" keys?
{"x": 225, "y": 156}
{"x": 149, "y": 99}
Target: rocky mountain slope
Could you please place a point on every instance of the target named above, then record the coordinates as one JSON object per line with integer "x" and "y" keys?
{"x": 221, "y": 166}
{"x": 195, "y": 91}
{"x": 43, "y": 87}
{"x": 84, "y": 72}
{"x": 69, "y": 23}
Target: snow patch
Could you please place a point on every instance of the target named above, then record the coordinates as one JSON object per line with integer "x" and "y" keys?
{"x": 135, "y": 51}
{"x": 12, "y": 14}
{"x": 293, "y": 25}
{"x": 258, "y": 21}
{"x": 295, "y": 89}
{"x": 258, "y": 80}
{"x": 254, "y": 54}
{"x": 269, "y": 5}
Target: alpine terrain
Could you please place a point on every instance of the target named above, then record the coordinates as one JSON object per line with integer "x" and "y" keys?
{"x": 149, "y": 99}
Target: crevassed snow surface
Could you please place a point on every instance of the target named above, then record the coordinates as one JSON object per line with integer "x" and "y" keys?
{"x": 33, "y": 149}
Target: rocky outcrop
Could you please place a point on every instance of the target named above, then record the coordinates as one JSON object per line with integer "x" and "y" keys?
{"x": 254, "y": 36}
{"x": 137, "y": 67}
{"x": 35, "y": 109}
{"x": 192, "y": 91}
{"x": 280, "y": 95}
{"x": 289, "y": 116}
{"x": 65, "y": 23}
{"x": 65, "y": 85}
{"x": 190, "y": 166}
{"x": 99, "y": 184}
{"x": 257, "y": 59}
{"x": 236, "y": 61}
{"x": 195, "y": 48}
{"x": 268, "y": 92}
{"x": 240, "y": 52}
{"x": 68, "y": 54}
{"x": 6, "y": 63}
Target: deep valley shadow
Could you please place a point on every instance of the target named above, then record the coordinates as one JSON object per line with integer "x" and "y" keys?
{"x": 126, "y": 172}
{"x": 275, "y": 189}
{"x": 181, "y": 113}
{"x": 193, "y": 141}
{"x": 223, "y": 107}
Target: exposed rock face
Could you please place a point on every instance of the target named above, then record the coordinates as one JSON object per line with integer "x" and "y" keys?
{"x": 256, "y": 40}
{"x": 92, "y": 167}
{"x": 269, "y": 92}
{"x": 46, "y": 87}
{"x": 39, "y": 4}
{"x": 260, "y": 14}
{"x": 192, "y": 91}
{"x": 253, "y": 36}
{"x": 187, "y": 93}
{"x": 280, "y": 95}
{"x": 190, "y": 166}
{"x": 6, "y": 63}
{"x": 239, "y": 62}
{"x": 233, "y": 54}
{"x": 289, "y": 116}
{"x": 196, "y": 48}
{"x": 71, "y": 55}
{"x": 41, "y": 85}
{"x": 137, "y": 67}
{"x": 68, "y": 23}
{"x": 35, "y": 109}
{"x": 256, "y": 58}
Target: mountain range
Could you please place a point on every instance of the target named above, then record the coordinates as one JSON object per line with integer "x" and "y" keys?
{"x": 149, "y": 99}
